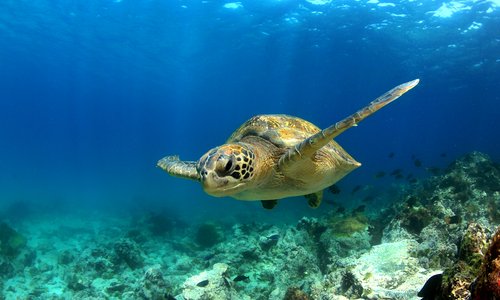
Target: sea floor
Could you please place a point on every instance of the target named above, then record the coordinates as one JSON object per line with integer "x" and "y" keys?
{"x": 99, "y": 257}
{"x": 344, "y": 254}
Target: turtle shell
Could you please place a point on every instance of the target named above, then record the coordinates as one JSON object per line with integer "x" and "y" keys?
{"x": 282, "y": 130}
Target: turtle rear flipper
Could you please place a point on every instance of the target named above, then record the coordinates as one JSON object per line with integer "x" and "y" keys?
{"x": 315, "y": 142}
{"x": 175, "y": 167}
{"x": 269, "y": 204}
{"x": 314, "y": 199}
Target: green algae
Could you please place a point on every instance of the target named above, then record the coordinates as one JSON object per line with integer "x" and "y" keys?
{"x": 347, "y": 226}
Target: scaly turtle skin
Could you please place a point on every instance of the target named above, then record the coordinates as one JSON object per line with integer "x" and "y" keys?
{"x": 271, "y": 157}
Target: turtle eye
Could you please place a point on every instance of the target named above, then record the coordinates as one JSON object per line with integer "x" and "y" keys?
{"x": 228, "y": 166}
{"x": 224, "y": 165}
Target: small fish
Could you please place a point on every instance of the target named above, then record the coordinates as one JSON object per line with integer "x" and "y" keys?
{"x": 359, "y": 209}
{"x": 355, "y": 189}
{"x": 202, "y": 283}
{"x": 330, "y": 202}
{"x": 443, "y": 154}
{"x": 396, "y": 172}
{"x": 417, "y": 162}
{"x": 380, "y": 174}
{"x": 241, "y": 278}
{"x": 454, "y": 219}
{"x": 431, "y": 288}
{"x": 368, "y": 199}
{"x": 209, "y": 256}
{"x": 391, "y": 155}
{"x": 226, "y": 282}
{"x": 433, "y": 170}
{"x": 273, "y": 237}
{"x": 334, "y": 189}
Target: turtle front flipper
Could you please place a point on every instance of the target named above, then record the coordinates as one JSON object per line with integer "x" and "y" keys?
{"x": 315, "y": 142}
{"x": 175, "y": 167}
{"x": 314, "y": 199}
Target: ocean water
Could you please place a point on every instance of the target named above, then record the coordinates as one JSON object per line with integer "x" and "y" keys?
{"x": 93, "y": 93}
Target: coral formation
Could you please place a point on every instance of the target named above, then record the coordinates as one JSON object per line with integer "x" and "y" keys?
{"x": 294, "y": 293}
{"x": 128, "y": 251}
{"x": 487, "y": 285}
{"x": 207, "y": 235}
{"x": 153, "y": 285}
{"x": 347, "y": 226}
{"x": 437, "y": 212}
{"x": 11, "y": 242}
{"x": 458, "y": 277}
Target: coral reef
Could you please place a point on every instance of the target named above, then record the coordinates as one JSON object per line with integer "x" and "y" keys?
{"x": 476, "y": 273}
{"x": 438, "y": 228}
{"x": 458, "y": 277}
{"x": 487, "y": 285}
{"x": 437, "y": 212}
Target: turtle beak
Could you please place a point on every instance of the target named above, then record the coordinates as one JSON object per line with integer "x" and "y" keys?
{"x": 213, "y": 184}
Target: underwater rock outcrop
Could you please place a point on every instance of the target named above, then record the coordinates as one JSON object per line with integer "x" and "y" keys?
{"x": 153, "y": 285}
{"x": 457, "y": 279}
{"x": 476, "y": 273}
{"x": 438, "y": 211}
{"x": 294, "y": 293}
{"x": 487, "y": 284}
{"x": 11, "y": 242}
{"x": 129, "y": 252}
{"x": 389, "y": 271}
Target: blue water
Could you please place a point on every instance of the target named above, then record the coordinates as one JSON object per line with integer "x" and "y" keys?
{"x": 93, "y": 93}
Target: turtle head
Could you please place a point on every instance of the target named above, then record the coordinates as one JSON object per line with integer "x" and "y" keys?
{"x": 227, "y": 169}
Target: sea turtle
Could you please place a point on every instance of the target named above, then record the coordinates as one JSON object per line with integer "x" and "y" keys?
{"x": 271, "y": 157}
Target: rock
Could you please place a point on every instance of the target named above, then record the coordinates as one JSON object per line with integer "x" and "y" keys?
{"x": 77, "y": 283}
{"x": 487, "y": 284}
{"x": 129, "y": 252}
{"x": 268, "y": 241}
{"x": 153, "y": 285}
{"x": 389, "y": 271}
{"x": 212, "y": 284}
{"x": 294, "y": 293}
